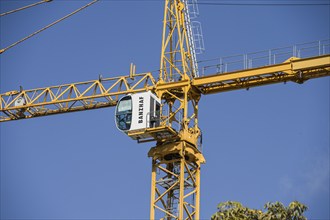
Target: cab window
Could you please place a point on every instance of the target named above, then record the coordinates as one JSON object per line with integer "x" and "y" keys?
{"x": 124, "y": 113}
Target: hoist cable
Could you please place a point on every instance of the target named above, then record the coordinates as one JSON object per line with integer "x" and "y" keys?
{"x": 25, "y": 7}
{"x": 48, "y": 26}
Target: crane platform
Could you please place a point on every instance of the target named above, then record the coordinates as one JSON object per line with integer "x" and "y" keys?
{"x": 159, "y": 134}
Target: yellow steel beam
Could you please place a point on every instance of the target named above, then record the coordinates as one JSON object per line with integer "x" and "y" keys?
{"x": 294, "y": 69}
{"x": 106, "y": 92}
{"x": 80, "y": 96}
{"x": 175, "y": 181}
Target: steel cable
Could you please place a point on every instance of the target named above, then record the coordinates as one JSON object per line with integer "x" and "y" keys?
{"x": 25, "y": 7}
{"x": 48, "y": 26}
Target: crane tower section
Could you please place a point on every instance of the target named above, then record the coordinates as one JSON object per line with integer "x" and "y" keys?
{"x": 178, "y": 56}
{"x": 178, "y": 65}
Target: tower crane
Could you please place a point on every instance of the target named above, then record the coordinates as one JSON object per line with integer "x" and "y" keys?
{"x": 163, "y": 110}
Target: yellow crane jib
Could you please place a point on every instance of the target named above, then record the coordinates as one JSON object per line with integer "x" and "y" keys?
{"x": 106, "y": 92}
{"x": 164, "y": 110}
{"x": 294, "y": 70}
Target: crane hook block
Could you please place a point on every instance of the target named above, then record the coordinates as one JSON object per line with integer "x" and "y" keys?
{"x": 137, "y": 112}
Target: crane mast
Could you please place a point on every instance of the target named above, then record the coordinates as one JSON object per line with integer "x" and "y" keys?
{"x": 177, "y": 155}
{"x": 175, "y": 184}
{"x": 178, "y": 57}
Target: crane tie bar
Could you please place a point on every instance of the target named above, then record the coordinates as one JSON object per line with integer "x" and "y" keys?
{"x": 25, "y": 7}
{"x": 48, "y": 26}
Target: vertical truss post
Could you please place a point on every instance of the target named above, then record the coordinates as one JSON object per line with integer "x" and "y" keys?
{"x": 176, "y": 163}
{"x": 175, "y": 181}
{"x": 177, "y": 60}
{"x": 153, "y": 187}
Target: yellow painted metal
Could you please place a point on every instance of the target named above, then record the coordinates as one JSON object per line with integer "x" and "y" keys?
{"x": 153, "y": 186}
{"x": 178, "y": 147}
{"x": 71, "y": 97}
{"x": 176, "y": 61}
{"x": 176, "y": 158}
{"x": 174, "y": 88}
{"x": 106, "y": 92}
{"x": 294, "y": 70}
{"x": 181, "y": 97}
{"x": 175, "y": 181}
{"x": 310, "y": 63}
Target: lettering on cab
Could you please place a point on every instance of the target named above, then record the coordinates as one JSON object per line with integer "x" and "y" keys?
{"x": 141, "y": 110}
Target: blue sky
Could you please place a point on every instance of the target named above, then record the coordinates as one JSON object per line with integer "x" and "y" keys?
{"x": 267, "y": 144}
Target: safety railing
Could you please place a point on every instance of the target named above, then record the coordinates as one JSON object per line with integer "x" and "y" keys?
{"x": 264, "y": 58}
{"x": 173, "y": 120}
{"x": 154, "y": 119}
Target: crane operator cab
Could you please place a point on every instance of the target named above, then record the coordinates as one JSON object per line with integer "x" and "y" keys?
{"x": 137, "y": 112}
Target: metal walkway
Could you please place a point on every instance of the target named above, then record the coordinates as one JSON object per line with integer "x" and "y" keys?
{"x": 263, "y": 58}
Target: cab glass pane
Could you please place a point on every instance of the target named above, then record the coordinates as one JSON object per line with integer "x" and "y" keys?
{"x": 124, "y": 113}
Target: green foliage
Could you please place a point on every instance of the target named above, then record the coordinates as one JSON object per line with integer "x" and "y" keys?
{"x": 231, "y": 210}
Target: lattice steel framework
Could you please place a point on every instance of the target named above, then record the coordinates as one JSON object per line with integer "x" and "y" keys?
{"x": 177, "y": 58}
{"x": 178, "y": 64}
{"x": 182, "y": 150}
{"x": 176, "y": 158}
{"x": 175, "y": 181}
{"x": 106, "y": 92}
